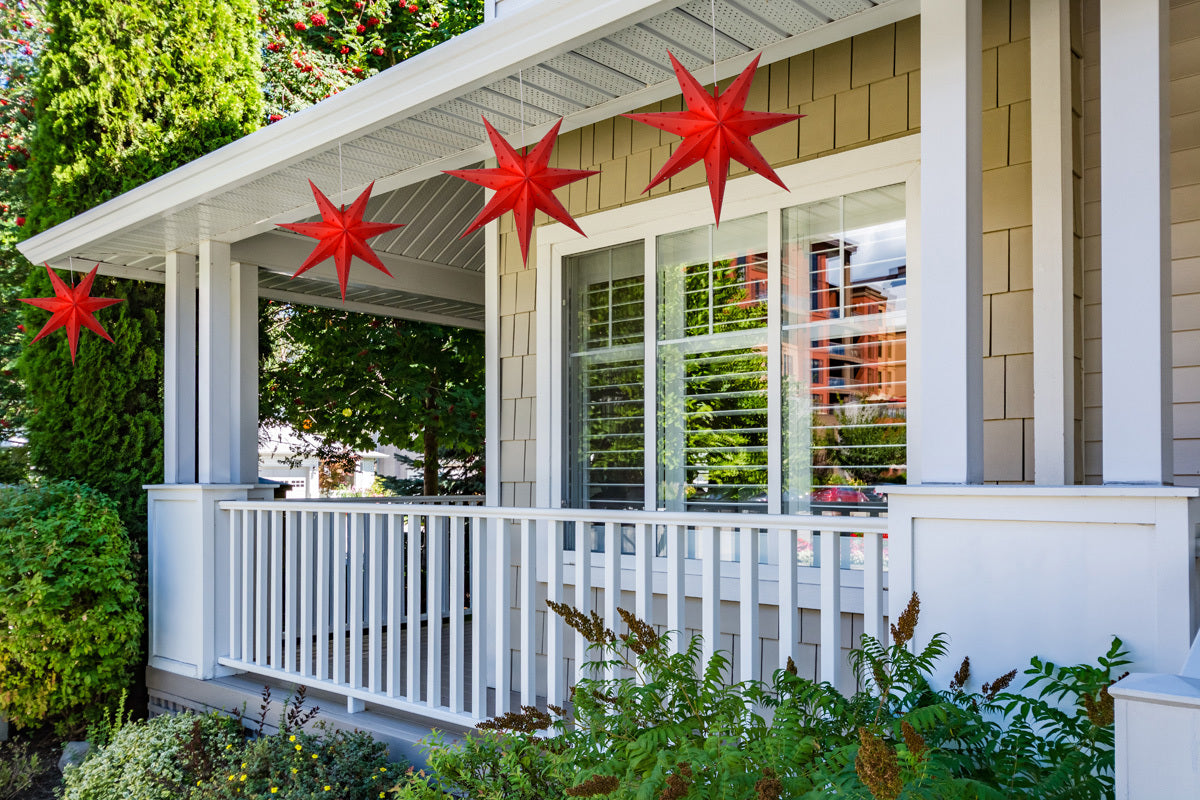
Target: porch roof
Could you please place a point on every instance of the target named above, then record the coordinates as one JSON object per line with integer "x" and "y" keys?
{"x": 402, "y": 127}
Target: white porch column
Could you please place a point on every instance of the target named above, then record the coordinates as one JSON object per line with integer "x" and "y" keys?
{"x": 1053, "y": 244}
{"x": 950, "y": 367}
{"x": 1135, "y": 242}
{"x": 228, "y": 369}
{"x": 179, "y": 383}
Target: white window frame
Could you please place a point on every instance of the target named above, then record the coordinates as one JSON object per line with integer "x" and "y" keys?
{"x": 870, "y": 167}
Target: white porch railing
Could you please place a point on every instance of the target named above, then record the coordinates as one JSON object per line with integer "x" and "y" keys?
{"x": 339, "y": 596}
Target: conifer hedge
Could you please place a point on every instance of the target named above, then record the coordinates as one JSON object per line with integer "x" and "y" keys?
{"x": 126, "y": 92}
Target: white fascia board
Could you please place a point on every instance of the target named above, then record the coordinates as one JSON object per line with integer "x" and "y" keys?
{"x": 300, "y": 299}
{"x": 473, "y": 59}
{"x": 282, "y": 252}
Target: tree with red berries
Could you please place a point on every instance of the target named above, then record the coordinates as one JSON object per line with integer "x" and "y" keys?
{"x": 317, "y": 48}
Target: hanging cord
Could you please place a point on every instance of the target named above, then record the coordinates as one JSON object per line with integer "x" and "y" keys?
{"x": 521, "y": 97}
{"x": 341, "y": 179}
{"x": 713, "y": 8}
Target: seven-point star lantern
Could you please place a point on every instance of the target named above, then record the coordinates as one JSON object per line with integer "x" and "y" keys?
{"x": 342, "y": 234}
{"x": 523, "y": 184}
{"x": 72, "y": 307}
{"x": 716, "y": 128}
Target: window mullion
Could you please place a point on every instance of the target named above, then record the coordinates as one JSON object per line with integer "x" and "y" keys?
{"x": 650, "y": 372}
{"x": 774, "y": 359}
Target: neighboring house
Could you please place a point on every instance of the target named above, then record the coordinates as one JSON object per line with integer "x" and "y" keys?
{"x": 924, "y": 315}
{"x": 281, "y": 459}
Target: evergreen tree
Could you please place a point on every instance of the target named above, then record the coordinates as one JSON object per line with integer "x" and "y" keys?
{"x": 128, "y": 92}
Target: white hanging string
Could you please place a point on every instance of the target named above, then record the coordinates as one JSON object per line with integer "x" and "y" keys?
{"x": 713, "y": 8}
{"x": 341, "y": 179}
{"x": 521, "y": 98}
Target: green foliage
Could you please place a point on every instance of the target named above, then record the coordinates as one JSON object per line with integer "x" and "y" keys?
{"x": 14, "y": 464}
{"x": 131, "y": 90}
{"x": 18, "y": 769}
{"x": 348, "y": 378}
{"x": 100, "y": 420}
{"x": 315, "y": 49}
{"x": 148, "y": 760}
{"x": 671, "y": 726}
{"x": 70, "y": 608}
{"x": 870, "y": 439}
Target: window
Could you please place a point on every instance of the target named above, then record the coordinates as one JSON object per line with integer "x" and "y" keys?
{"x": 672, "y": 343}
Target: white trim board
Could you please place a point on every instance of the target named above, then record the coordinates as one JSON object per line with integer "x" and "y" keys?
{"x": 883, "y": 164}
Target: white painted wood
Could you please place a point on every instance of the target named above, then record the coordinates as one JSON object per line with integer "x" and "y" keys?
{"x": 502, "y": 620}
{"x": 436, "y": 532}
{"x": 291, "y": 588}
{"x": 307, "y": 593}
{"x": 339, "y": 524}
{"x": 243, "y": 372}
{"x": 479, "y": 617}
{"x": 583, "y": 592}
{"x": 179, "y": 370}
{"x": 458, "y": 564}
{"x": 1135, "y": 249}
{"x": 528, "y": 611}
{"x": 612, "y": 583}
{"x": 1053, "y": 243}
{"x": 710, "y": 588}
{"x": 355, "y": 568}
{"x": 873, "y": 610}
{"x": 324, "y": 583}
{"x": 234, "y": 649}
{"x": 649, "y": 375}
{"x": 949, "y": 365}
{"x": 412, "y": 609}
{"x": 262, "y": 596}
{"x": 749, "y": 656}
{"x": 676, "y": 599}
{"x": 375, "y": 579}
{"x": 395, "y": 601}
{"x": 789, "y": 611}
{"x": 213, "y": 411}
{"x": 643, "y": 571}
{"x": 774, "y": 361}
{"x": 248, "y": 533}
{"x": 552, "y": 532}
{"x": 831, "y": 609}
{"x": 491, "y": 360}
{"x": 275, "y": 631}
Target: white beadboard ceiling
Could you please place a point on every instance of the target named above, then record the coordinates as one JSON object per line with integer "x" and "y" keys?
{"x": 583, "y": 61}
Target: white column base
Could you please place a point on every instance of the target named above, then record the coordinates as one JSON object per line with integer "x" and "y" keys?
{"x": 188, "y": 575}
{"x": 1011, "y": 572}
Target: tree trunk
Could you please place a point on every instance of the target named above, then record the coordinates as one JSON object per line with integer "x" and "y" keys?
{"x": 431, "y": 462}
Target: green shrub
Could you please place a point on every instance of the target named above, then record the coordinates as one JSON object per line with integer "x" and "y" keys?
{"x": 70, "y": 608}
{"x": 673, "y": 728}
{"x": 149, "y": 760}
{"x": 18, "y": 769}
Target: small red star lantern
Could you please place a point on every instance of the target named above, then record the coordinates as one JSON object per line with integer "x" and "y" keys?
{"x": 342, "y": 234}
{"x": 72, "y": 308}
{"x": 523, "y": 184}
{"x": 716, "y": 128}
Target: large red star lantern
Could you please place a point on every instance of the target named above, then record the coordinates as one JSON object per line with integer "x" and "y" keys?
{"x": 72, "y": 308}
{"x": 342, "y": 234}
{"x": 523, "y": 185}
{"x": 716, "y": 128}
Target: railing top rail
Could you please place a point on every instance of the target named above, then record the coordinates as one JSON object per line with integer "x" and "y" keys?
{"x": 867, "y": 524}
{"x": 441, "y": 499}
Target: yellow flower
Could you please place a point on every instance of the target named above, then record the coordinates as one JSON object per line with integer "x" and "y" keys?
{"x": 346, "y": 412}
{"x": 383, "y": 769}
{"x": 228, "y": 747}
{"x": 294, "y": 770}
{"x": 327, "y": 788}
{"x": 314, "y": 755}
{"x": 243, "y": 765}
{"x": 274, "y": 790}
{"x": 299, "y": 748}
{"x": 230, "y": 777}
{"x": 292, "y": 738}
{"x": 243, "y": 777}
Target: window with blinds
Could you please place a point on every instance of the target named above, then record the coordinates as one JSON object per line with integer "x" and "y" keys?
{"x": 606, "y": 408}
{"x": 712, "y": 367}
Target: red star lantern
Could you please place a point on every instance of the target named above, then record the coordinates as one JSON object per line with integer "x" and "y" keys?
{"x": 716, "y": 128}
{"x": 342, "y": 234}
{"x": 523, "y": 184}
{"x": 72, "y": 308}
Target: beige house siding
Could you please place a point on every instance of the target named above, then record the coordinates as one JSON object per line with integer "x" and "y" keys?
{"x": 855, "y": 92}
{"x": 1184, "y": 91}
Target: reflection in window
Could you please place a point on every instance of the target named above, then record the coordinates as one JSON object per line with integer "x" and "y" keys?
{"x": 844, "y": 316}
{"x": 607, "y": 379}
{"x": 712, "y": 367}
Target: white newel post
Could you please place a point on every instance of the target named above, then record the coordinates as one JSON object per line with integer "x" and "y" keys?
{"x": 949, "y": 369}
{"x": 1135, "y": 242}
{"x": 211, "y": 455}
